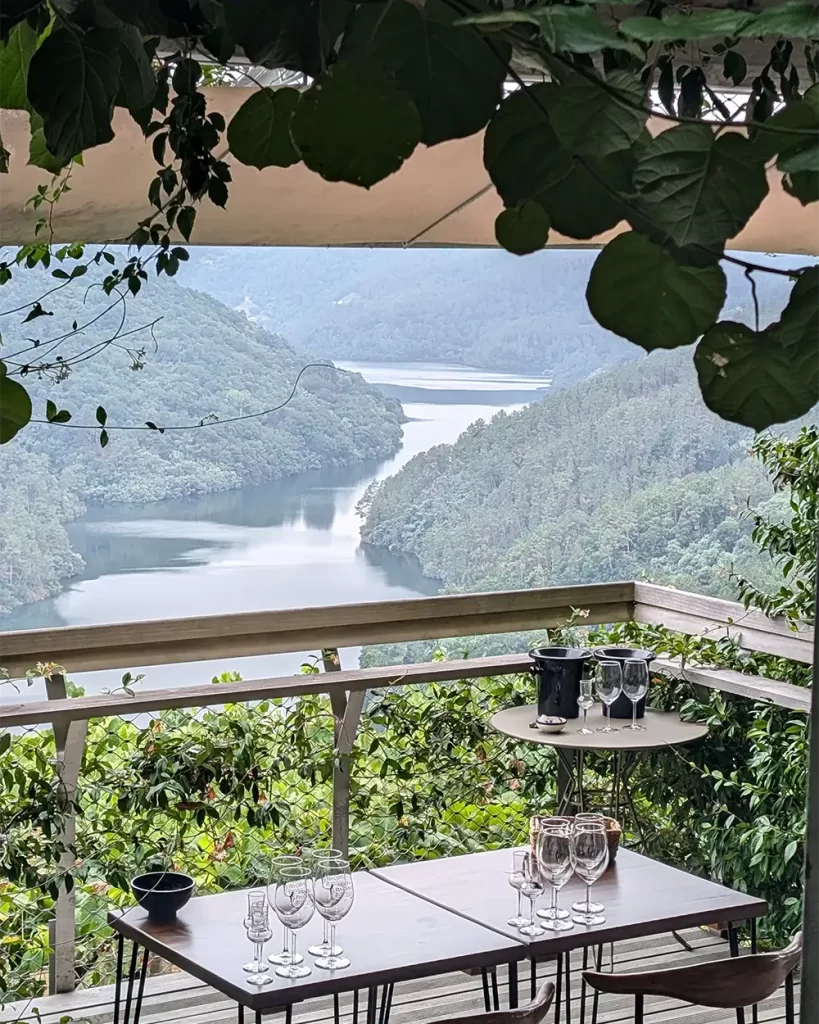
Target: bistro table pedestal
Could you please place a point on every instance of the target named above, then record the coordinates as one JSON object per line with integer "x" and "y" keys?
{"x": 662, "y": 729}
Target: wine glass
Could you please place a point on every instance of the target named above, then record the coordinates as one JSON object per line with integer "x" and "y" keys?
{"x": 552, "y": 911}
{"x": 312, "y": 857}
{"x": 635, "y": 687}
{"x": 335, "y": 894}
{"x": 525, "y": 877}
{"x": 590, "y": 858}
{"x": 608, "y": 681}
{"x": 257, "y": 925}
{"x": 277, "y": 864}
{"x": 294, "y": 907}
{"x": 585, "y": 700}
{"x": 554, "y": 854}
{"x": 516, "y": 881}
{"x": 589, "y": 819}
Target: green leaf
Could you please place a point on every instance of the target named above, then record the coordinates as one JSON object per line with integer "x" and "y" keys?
{"x": 734, "y": 67}
{"x": 15, "y": 406}
{"x": 38, "y": 154}
{"x": 72, "y": 82}
{"x": 103, "y": 439}
{"x": 638, "y": 291}
{"x": 137, "y": 79}
{"x": 259, "y": 131}
{"x": 579, "y": 206}
{"x": 593, "y": 116}
{"x": 699, "y": 188}
{"x": 184, "y": 221}
{"x": 522, "y": 229}
{"x": 802, "y": 186}
{"x": 686, "y": 27}
{"x": 795, "y": 18}
{"x": 568, "y": 29}
{"x": 51, "y": 410}
{"x": 748, "y": 378}
{"x": 102, "y": 415}
{"x": 354, "y": 124}
{"x": 790, "y": 850}
{"x": 521, "y": 151}
{"x": 15, "y": 55}
{"x": 801, "y": 161}
{"x": 453, "y": 77}
{"x": 280, "y": 34}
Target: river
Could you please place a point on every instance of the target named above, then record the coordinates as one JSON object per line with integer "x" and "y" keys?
{"x": 289, "y": 544}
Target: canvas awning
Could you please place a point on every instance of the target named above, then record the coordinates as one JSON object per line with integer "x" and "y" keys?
{"x": 441, "y": 196}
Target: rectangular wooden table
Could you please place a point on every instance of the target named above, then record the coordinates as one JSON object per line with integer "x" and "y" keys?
{"x": 422, "y": 919}
{"x": 641, "y": 896}
{"x": 390, "y": 935}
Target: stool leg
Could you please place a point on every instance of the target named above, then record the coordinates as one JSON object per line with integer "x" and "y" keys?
{"x": 790, "y": 1017}
{"x": 598, "y": 966}
{"x": 733, "y": 943}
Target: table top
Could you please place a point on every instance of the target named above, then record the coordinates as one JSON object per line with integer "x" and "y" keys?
{"x": 641, "y": 897}
{"x": 663, "y": 729}
{"x": 389, "y": 935}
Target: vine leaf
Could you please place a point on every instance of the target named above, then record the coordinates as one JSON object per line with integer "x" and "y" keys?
{"x": 280, "y": 34}
{"x": 689, "y": 27}
{"x": 595, "y": 117}
{"x": 38, "y": 152}
{"x": 699, "y": 188}
{"x": 15, "y": 55}
{"x": 138, "y": 83}
{"x": 798, "y": 19}
{"x": 15, "y": 406}
{"x": 523, "y": 229}
{"x": 72, "y": 81}
{"x": 638, "y": 291}
{"x": 568, "y": 29}
{"x": 579, "y": 206}
{"x": 453, "y": 77}
{"x": 354, "y": 124}
{"x": 759, "y": 378}
{"x": 259, "y": 131}
{"x": 521, "y": 151}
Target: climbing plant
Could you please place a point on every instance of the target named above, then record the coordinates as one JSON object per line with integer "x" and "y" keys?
{"x": 564, "y": 91}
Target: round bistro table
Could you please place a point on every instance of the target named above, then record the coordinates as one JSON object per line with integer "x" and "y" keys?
{"x": 662, "y": 729}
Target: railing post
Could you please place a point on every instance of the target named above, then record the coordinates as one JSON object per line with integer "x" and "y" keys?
{"x": 347, "y": 707}
{"x": 69, "y": 740}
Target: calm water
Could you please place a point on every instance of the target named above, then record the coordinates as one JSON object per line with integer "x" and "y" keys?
{"x": 290, "y": 544}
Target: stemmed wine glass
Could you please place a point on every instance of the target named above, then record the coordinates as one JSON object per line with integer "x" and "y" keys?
{"x": 593, "y": 818}
{"x": 525, "y": 877}
{"x": 311, "y": 859}
{"x": 294, "y": 907}
{"x": 334, "y": 894}
{"x": 585, "y": 700}
{"x": 553, "y": 911}
{"x": 608, "y": 682}
{"x": 635, "y": 687}
{"x": 516, "y": 881}
{"x": 554, "y": 854}
{"x": 277, "y": 865}
{"x": 590, "y": 858}
{"x": 257, "y": 925}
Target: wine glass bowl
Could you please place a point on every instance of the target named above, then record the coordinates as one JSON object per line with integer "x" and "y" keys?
{"x": 635, "y": 687}
{"x": 293, "y": 905}
{"x": 555, "y": 865}
{"x": 608, "y": 683}
{"x": 334, "y": 894}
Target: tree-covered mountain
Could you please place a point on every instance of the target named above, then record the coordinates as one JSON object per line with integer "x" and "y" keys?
{"x": 476, "y": 307}
{"x": 627, "y": 475}
{"x": 202, "y": 359}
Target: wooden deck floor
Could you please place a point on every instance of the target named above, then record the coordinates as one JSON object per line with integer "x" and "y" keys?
{"x": 178, "y": 999}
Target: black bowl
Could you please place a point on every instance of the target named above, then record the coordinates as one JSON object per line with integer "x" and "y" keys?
{"x": 162, "y": 893}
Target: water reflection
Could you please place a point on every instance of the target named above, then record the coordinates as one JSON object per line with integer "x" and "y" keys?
{"x": 287, "y": 544}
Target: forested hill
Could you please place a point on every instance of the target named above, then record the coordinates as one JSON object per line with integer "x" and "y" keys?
{"x": 208, "y": 359}
{"x": 476, "y": 307}
{"x": 625, "y": 476}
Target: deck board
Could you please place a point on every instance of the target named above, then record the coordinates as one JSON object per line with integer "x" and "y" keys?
{"x": 177, "y": 999}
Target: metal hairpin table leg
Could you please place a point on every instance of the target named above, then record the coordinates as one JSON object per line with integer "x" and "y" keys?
{"x": 288, "y": 1016}
{"x": 559, "y": 988}
{"x": 733, "y": 943}
{"x": 389, "y": 1003}
{"x": 372, "y": 999}
{"x": 118, "y": 986}
{"x": 355, "y": 1006}
{"x": 131, "y": 976}
{"x": 495, "y": 992}
{"x": 386, "y": 1004}
{"x": 336, "y": 1009}
{"x": 755, "y": 1007}
{"x": 487, "y": 1004}
{"x": 583, "y": 986}
{"x": 567, "y": 782}
{"x": 598, "y": 966}
{"x": 568, "y": 986}
{"x": 532, "y": 977}
{"x": 241, "y": 1014}
{"x": 258, "y": 1017}
{"x": 513, "y": 986}
{"x": 141, "y": 990}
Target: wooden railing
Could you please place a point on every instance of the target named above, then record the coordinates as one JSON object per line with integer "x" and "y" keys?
{"x": 128, "y": 645}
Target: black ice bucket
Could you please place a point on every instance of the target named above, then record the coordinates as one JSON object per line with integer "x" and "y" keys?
{"x": 558, "y": 671}
{"x": 621, "y": 708}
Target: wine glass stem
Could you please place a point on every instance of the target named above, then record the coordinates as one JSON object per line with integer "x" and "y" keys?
{"x": 608, "y": 717}
{"x": 332, "y": 937}
{"x": 285, "y": 939}
{"x": 585, "y": 714}
{"x": 532, "y": 902}
{"x": 588, "y": 898}
{"x": 293, "y": 943}
{"x": 518, "y": 892}
{"x": 325, "y": 941}
{"x": 554, "y": 902}
{"x": 259, "y": 951}
{"x": 634, "y": 714}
